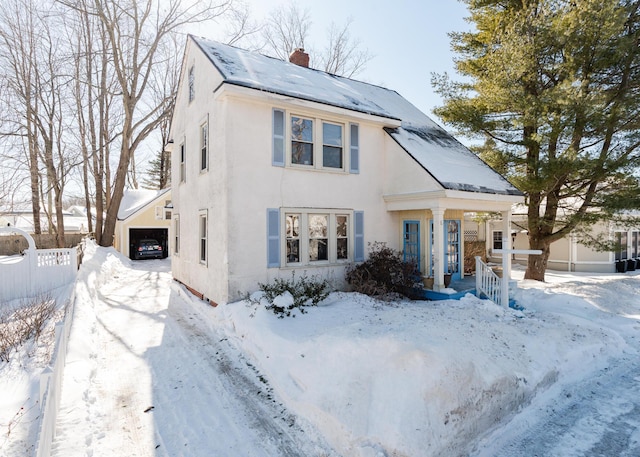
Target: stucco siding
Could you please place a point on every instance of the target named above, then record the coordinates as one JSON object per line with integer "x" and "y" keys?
{"x": 202, "y": 192}
{"x": 402, "y": 173}
{"x": 254, "y": 185}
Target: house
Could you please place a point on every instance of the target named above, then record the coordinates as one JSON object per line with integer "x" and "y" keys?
{"x": 23, "y": 219}
{"x": 279, "y": 168}
{"x": 143, "y": 214}
{"x": 568, "y": 254}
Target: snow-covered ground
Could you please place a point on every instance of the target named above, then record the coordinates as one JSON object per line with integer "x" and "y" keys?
{"x": 153, "y": 371}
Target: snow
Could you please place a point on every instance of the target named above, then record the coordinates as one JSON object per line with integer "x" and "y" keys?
{"x": 448, "y": 161}
{"x": 20, "y": 383}
{"x": 135, "y": 199}
{"x": 152, "y": 370}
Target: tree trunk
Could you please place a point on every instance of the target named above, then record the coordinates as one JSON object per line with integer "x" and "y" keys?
{"x": 537, "y": 264}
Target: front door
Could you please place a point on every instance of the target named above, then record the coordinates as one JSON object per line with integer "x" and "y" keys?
{"x": 411, "y": 245}
{"x": 452, "y": 262}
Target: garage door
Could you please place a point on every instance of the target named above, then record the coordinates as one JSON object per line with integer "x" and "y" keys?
{"x": 159, "y": 234}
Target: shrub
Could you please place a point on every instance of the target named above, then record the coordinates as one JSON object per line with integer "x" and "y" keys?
{"x": 384, "y": 274}
{"x": 304, "y": 291}
{"x": 20, "y": 324}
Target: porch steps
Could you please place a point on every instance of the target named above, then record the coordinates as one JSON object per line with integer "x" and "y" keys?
{"x": 462, "y": 287}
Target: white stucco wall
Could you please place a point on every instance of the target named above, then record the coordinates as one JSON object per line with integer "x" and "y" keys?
{"x": 255, "y": 185}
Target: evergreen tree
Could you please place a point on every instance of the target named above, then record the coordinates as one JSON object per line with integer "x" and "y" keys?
{"x": 554, "y": 85}
{"x": 159, "y": 173}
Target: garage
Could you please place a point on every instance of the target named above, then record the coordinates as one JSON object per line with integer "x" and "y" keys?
{"x": 159, "y": 234}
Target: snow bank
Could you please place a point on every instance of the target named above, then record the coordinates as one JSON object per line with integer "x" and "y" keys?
{"x": 411, "y": 378}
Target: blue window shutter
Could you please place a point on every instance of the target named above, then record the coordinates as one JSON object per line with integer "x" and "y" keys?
{"x": 278, "y": 138}
{"x": 354, "y": 149}
{"x": 358, "y": 230}
{"x": 273, "y": 238}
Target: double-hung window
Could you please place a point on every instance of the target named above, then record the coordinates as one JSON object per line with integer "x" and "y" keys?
{"x": 183, "y": 160}
{"x": 497, "y": 239}
{"x": 329, "y": 153}
{"x": 204, "y": 142}
{"x": 202, "y": 226}
{"x": 301, "y": 141}
{"x": 176, "y": 232}
{"x": 310, "y": 142}
{"x": 332, "y": 156}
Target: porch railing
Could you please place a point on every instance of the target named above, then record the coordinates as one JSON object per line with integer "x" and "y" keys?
{"x": 488, "y": 283}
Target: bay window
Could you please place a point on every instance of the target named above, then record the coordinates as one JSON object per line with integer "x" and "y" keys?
{"x": 317, "y": 237}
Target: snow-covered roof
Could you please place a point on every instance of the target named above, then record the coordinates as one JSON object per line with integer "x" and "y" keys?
{"x": 135, "y": 199}
{"x": 439, "y": 153}
{"x": 24, "y": 220}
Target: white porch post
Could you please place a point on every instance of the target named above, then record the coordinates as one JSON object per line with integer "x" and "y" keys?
{"x": 438, "y": 249}
{"x": 506, "y": 256}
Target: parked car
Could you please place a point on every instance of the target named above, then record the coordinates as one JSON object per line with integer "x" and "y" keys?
{"x": 147, "y": 249}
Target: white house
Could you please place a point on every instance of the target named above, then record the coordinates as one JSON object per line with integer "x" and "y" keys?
{"x": 568, "y": 253}
{"x": 278, "y": 168}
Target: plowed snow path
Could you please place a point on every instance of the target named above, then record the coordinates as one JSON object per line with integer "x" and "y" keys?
{"x": 146, "y": 376}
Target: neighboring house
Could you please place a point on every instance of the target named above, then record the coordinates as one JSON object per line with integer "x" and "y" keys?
{"x": 143, "y": 214}
{"x": 568, "y": 254}
{"x": 278, "y": 168}
{"x": 23, "y": 219}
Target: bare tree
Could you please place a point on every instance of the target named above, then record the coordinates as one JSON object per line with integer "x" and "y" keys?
{"x": 288, "y": 27}
{"x": 343, "y": 55}
{"x": 137, "y": 33}
{"x": 37, "y": 78}
{"x": 16, "y": 33}
{"x": 240, "y": 28}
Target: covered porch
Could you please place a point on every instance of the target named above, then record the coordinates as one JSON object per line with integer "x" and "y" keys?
{"x": 431, "y": 232}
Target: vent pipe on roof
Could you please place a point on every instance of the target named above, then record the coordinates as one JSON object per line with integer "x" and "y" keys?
{"x": 299, "y": 57}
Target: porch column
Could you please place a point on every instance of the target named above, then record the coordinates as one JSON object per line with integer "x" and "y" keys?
{"x": 438, "y": 249}
{"x": 506, "y": 256}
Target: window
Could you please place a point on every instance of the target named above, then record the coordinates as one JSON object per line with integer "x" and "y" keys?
{"x": 292, "y": 227}
{"x": 497, "y": 239}
{"x": 183, "y": 170}
{"x": 204, "y": 135}
{"x": 203, "y": 237}
{"x": 331, "y": 145}
{"x": 192, "y": 90}
{"x": 620, "y": 239}
{"x": 342, "y": 237}
{"x": 301, "y": 141}
{"x": 317, "y": 237}
{"x": 176, "y": 231}
{"x": 635, "y": 245}
{"x": 306, "y": 142}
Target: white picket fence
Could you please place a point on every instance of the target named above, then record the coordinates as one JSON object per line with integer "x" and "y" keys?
{"x": 28, "y": 275}
{"x": 51, "y": 383}
{"x": 36, "y": 270}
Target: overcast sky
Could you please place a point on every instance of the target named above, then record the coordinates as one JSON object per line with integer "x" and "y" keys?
{"x": 408, "y": 39}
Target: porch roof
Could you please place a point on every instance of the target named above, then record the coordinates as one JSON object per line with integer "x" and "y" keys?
{"x": 451, "y": 199}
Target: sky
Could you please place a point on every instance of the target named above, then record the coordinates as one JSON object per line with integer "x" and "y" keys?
{"x": 408, "y": 39}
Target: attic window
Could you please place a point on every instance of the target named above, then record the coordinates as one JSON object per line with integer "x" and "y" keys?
{"x": 192, "y": 91}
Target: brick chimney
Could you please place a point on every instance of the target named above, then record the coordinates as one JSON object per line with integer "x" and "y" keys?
{"x": 299, "y": 57}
